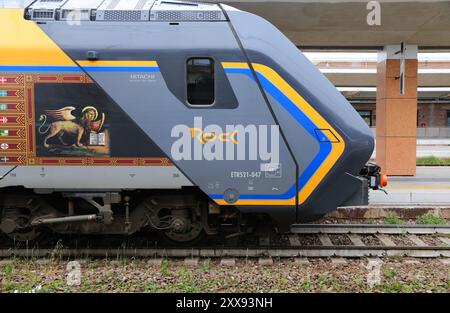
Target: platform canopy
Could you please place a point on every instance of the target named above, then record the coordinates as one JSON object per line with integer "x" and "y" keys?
{"x": 343, "y": 23}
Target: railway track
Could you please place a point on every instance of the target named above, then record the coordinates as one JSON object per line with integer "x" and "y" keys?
{"x": 306, "y": 240}
{"x": 370, "y": 229}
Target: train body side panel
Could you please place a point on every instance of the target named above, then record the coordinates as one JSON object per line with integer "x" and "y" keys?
{"x": 141, "y": 73}
{"x": 295, "y": 86}
{"x": 142, "y": 68}
{"x": 38, "y": 79}
{"x": 94, "y": 177}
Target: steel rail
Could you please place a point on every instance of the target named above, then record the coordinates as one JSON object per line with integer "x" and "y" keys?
{"x": 370, "y": 229}
{"x": 307, "y": 251}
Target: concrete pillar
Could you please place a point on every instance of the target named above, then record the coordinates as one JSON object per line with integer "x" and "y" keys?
{"x": 396, "y": 128}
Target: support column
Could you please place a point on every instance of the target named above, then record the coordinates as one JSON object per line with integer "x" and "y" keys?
{"x": 396, "y": 128}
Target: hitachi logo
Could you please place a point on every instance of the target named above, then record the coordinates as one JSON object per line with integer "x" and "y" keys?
{"x": 142, "y": 77}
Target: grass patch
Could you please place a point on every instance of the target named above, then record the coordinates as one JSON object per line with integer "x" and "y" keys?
{"x": 394, "y": 286}
{"x": 56, "y": 285}
{"x": 390, "y": 273}
{"x": 306, "y": 285}
{"x": 206, "y": 265}
{"x": 433, "y": 161}
{"x": 186, "y": 282}
{"x": 430, "y": 219}
{"x": 9, "y": 285}
{"x": 393, "y": 220}
{"x": 282, "y": 281}
{"x": 93, "y": 264}
{"x": 57, "y": 250}
{"x": 335, "y": 284}
{"x": 8, "y": 269}
{"x": 165, "y": 270}
{"x": 152, "y": 287}
{"x": 322, "y": 281}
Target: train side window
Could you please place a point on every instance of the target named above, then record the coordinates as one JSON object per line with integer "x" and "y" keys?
{"x": 200, "y": 81}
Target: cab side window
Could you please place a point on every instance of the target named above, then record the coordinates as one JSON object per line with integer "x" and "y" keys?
{"x": 200, "y": 81}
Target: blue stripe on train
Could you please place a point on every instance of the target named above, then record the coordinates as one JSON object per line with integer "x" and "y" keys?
{"x": 302, "y": 119}
{"x": 77, "y": 69}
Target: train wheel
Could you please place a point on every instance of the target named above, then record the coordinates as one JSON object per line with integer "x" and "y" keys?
{"x": 15, "y": 224}
{"x": 177, "y": 222}
{"x": 190, "y": 235}
{"x": 24, "y": 235}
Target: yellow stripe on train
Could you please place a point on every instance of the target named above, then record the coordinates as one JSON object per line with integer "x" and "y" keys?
{"x": 337, "y": 148}
{"x": 118, "y": 63}
{"x": 24, "y": 43}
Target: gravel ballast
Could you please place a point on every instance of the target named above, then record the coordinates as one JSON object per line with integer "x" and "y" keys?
{"x": 140, "y": 275}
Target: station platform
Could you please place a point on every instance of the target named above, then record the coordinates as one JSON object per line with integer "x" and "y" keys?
{"x": 438, "y": 150}
{"x": 431, "y": 186}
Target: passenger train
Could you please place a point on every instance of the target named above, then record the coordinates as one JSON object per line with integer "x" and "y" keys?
{"x": 181, "y": 118}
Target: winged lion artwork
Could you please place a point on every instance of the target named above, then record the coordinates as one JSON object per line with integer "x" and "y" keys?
{"x": 70, "y": 130}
